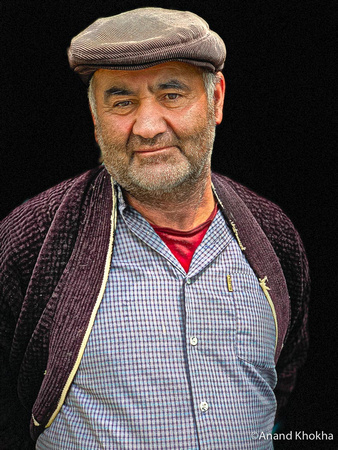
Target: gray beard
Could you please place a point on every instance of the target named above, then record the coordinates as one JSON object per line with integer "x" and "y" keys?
{"x": 181, "y": 173}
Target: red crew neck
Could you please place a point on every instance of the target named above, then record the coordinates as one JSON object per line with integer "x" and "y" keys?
{"x": 184, "y": 243}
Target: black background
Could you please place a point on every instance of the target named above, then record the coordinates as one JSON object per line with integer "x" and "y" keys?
{"x": 276, "y": 136}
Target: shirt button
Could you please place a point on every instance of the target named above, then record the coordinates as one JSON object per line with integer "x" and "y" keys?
{"x": 204, "y": 406}
{"x": 188, "y": 281}
{"x": 193, "y": 340}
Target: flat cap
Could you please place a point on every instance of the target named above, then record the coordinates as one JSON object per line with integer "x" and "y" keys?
{"x": 145, "y": 37}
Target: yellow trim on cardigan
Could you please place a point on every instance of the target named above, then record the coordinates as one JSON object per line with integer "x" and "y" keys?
{"x": 233, "y": 225}
{"x": 94, "y": 312}
{"x": 36, "y": 423}
{"x": 266, "y": 290}
{"x": 234, "y": 229}
{"x": 216, "y": 195}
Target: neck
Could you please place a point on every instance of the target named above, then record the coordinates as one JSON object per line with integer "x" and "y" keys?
{"x": 180, "y": 212}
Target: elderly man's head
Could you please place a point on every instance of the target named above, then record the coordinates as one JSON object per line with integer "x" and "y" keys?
{"x": 156, "y": 94}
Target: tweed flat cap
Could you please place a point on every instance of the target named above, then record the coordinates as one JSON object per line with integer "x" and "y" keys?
{"x": 145, "y": 37}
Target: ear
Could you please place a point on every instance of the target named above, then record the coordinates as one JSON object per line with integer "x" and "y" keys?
{"x": 219, "y": 97}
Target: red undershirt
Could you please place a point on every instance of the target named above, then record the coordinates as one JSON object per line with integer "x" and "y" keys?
{"x": 184, "y": 243}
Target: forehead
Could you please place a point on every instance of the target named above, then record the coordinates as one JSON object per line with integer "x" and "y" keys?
{"x": 158, "y": 74}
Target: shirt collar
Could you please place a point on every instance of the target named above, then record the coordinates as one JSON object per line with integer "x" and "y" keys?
{"x": 122, "y": 204}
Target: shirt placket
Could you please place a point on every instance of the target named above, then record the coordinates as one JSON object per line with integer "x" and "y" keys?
{"x": 200, "y": 376}
{"x": 200, "y": 371}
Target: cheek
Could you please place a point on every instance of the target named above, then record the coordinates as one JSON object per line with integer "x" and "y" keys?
{"x": 189, "y": 121}
{"x": 116, "y": 129}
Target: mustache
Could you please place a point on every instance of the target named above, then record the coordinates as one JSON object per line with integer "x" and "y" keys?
{"x": 160, "y": 140}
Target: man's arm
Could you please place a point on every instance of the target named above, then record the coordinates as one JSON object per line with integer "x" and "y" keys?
{"x": 14, "y": 419}
{"x": 296, "y": 345}
{"x": 22, "y": 235}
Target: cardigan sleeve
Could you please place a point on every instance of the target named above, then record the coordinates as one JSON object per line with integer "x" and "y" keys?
{"x": 295, "y": 349}
{"x": 22, "y": 234}
{"x": 291, "y": 253}
{"x": 14, "y": 419}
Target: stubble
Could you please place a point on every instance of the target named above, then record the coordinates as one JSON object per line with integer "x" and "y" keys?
{"x": 161, "y": 178}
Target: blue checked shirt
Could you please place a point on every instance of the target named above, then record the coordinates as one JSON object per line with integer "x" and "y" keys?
{"x": 175, "y": 360}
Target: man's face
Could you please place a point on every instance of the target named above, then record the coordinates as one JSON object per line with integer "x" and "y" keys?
{"x": 154, "y": 126}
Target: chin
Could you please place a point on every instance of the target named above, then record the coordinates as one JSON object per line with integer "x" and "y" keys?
{"x": 161, "y": 177}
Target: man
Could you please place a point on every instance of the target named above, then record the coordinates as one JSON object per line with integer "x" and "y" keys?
{"x": 146, "y": 303}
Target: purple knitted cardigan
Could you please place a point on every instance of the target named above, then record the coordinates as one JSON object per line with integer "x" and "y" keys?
{"x": 55, "y": 252}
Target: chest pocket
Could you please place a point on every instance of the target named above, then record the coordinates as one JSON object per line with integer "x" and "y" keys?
{"x": 255, "y": 325}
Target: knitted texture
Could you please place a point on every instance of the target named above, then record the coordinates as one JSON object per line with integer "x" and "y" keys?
{"x": 291, "y": 254}
{"x": 44, "y": 258}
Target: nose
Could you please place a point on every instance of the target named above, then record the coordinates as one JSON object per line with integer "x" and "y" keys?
{"x": 149, "y": 121}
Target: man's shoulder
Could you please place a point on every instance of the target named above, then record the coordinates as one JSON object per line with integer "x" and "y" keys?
{"x": 30, "y": 221}
{"x": 274, "y": 222}
{"x": 281, "y": 233}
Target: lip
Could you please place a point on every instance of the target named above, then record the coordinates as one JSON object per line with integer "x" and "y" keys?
{"x": 149, "y": 150}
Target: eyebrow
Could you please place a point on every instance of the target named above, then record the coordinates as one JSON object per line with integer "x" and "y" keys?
{"x": 174, "y": 84}
{"x": 115, "y": 90}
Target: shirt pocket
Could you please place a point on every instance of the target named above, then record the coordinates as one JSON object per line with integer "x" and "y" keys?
{"x": 255, "y": 325}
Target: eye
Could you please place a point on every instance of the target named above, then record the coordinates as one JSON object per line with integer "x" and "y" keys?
{"x": 122, "y": 104}
{"x": 172, "y": 96}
